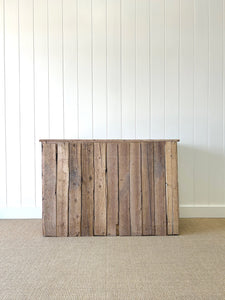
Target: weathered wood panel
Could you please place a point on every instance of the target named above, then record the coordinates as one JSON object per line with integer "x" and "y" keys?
{"x": 49, "y": 189}
{"x": 160, "y": 193}
{"x": 112, "y": 189}
{"x": 135, "y": 189}
{"x": 175, "y": 189}
{"x": 124, "y": 189}
{"x": 148, "y": 194}
{"x": 100, "y": 189}
{"x": 62, "y": 189}
{"x": 75, "y": 190}
{"x": 87, "y": 189}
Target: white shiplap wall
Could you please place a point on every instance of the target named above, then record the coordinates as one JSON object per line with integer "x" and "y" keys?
{"x": 113, "y": 69}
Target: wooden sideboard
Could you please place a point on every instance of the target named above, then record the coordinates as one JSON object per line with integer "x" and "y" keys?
{"x": 109, "y": 187}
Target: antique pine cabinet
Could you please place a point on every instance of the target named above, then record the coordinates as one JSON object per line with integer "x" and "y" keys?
{"x": 109, "y": 187}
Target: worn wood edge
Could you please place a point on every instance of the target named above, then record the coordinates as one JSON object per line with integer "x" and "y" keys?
{"x": 118, "y": 208}
{"x": 169, "y": 187}
{"x": 175, "y": 189}
{"x": 105, "y": 140}
{"x": 52, "y": 231}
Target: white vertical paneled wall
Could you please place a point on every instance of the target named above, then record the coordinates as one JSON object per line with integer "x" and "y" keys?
{"x": 113, "y": 69}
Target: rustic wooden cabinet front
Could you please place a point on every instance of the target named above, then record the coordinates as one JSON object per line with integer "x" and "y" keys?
{"x": 109, "y": 187}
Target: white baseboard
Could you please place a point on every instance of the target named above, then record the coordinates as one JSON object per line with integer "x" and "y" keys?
{"x": 21, "y": 213}
{"x": 186, "y": 211}
{"x": 202, "y": 211}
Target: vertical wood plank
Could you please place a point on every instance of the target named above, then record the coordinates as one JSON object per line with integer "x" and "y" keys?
{"x": 135, "y": 189}
{"x": 100, "y": 188}
{"x": 75, "y": 189}
{"x": 148, "y": 196}
{"x": 62, "y": 188}
{"x": 169, "y": 187}
{"x": 160, "y": 193}
{"x": 49, "y": 189}
{"x": 112, "y": 188}
{"x": 124, "y": 189}
{"x": 87, "y": 189}
{"x": 99, "y": 68}
{"x": 113, "y": 69}
{"x": 55, "y": 55}
{"x": 175, "y": 189}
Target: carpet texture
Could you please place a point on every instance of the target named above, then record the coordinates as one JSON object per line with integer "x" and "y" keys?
{"x": 189, "y": 266}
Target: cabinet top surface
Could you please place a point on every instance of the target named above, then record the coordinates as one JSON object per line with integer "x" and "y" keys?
{"x": 106, "y": 140}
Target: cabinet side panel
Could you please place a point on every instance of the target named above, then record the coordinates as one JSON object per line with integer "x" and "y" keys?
{"x": 175, "y": 189}
{"x": 169, "y": 187}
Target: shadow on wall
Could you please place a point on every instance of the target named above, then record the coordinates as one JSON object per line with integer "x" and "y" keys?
{"x": 201, "y": 175}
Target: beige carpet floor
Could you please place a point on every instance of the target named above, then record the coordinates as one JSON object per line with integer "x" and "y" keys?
{"x": 189, "y": 266}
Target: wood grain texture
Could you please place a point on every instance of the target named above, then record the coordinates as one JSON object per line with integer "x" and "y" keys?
{"x": 100, "y": 189}
{"x": 75, "y": 190}
{"x": 62, "y": 189}
{"x": 49, "y": 189}
{"x": 135, "y": 189}
{"x": 87, "y": 189}
{"x": 124, "y": 189}
{"x": 112, "y": 189}
{"x": 148, "y": 194}
{"x": 175, "y": 189}
{"x": 160, "y": 193}
{"x": 169, "y": 188}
